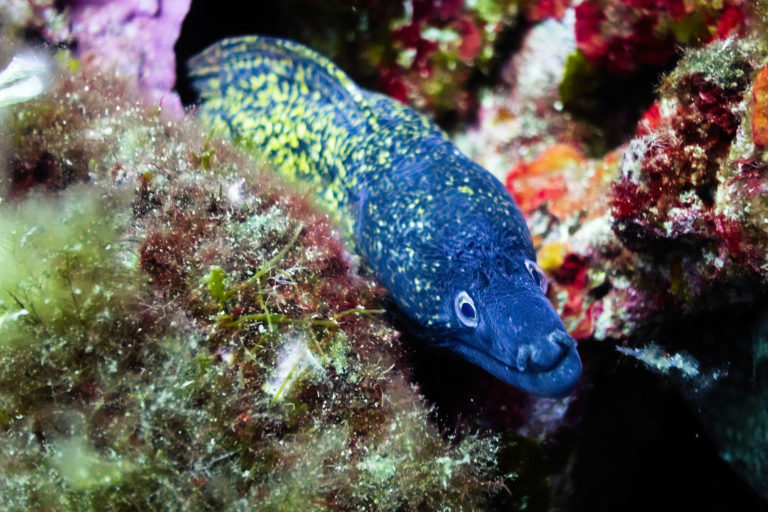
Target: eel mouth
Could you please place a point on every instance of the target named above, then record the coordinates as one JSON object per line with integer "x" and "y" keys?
{"x": 557, "y": 379}
{"x": 511, "y": 367}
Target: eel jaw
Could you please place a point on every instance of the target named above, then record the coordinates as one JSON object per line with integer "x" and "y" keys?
{"x": 555, "y": 376}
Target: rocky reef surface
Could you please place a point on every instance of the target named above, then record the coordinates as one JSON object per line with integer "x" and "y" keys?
{"x": 193, "y": 334}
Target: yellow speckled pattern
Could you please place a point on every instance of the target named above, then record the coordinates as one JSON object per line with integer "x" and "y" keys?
{"x": 400, "y": 186}
{"x": 266, "y": 94}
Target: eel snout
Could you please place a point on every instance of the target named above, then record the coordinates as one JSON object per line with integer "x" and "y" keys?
{"x": 549, "y": 366}
{"x": 544, "y": 354}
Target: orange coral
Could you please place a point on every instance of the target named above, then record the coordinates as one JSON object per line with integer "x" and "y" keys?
{"x": 562, "y": 178}
{"x": 532, "y": 184}
{"x": 760, "y": 108}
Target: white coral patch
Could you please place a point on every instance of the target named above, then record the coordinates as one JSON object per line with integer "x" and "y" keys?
{"x": 659, "y": 359}
{"x": 293, "y": 361}
{"x": 235, "y": 193}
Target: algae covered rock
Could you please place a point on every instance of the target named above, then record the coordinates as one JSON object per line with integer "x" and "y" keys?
{"x": 181, "y": 332}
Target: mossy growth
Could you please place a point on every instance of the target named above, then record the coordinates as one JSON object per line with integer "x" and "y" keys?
{"x": 180, "y": 332}
{"x": 728, "y": 64}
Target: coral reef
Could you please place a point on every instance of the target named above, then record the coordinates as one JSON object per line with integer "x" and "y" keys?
{"x": 655, "y": 225}
{"x": 525, "y": 117}
{"x": 670, "y": 224}
{"x": 178, "y": 330}
{"x": 438, "y": 45}
{"x": 586, "y": 77}
{"x": 686, "y": 194}
{"x": 181, "y": 332}
{"x": 133, "y": 37}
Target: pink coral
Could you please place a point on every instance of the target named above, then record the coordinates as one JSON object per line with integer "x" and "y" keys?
{"x": 136, "y": 37}
{"x": 543, "y": 9}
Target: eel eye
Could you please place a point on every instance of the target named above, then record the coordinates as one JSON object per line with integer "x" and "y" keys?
{"x": 465, "y": 309}
{"x": 538, "y": 275}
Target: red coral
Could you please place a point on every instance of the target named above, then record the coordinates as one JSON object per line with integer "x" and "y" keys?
{"x": 683, "y": 156}
{"x": 650, "y": 121}
{"x": 628, "y": 200}
{"x": 530, "y": 191}
{"x": 732, "y": 21}
{"x": 732, "y": 234}
{"x": 577, "y": 309}
{"x": 542, "y": 180}
{"x": 471, "y": 39}
{"x": 162, "y": 257}
{"x": 573, "y": 271}
{"x": 543, "y": 9}
{"x": 429, "y": 12}
{"x": 393, "y": 83}
{"x": 431, "y": 72}
{"x": 410, "y": 37}
{"x": 436, "y": 10}
{"x": 622, "y": 36}
{"x": 744, "y": 236}
{"x": 713, "y": 102}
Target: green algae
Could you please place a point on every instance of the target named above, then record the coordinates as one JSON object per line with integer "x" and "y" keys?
{"x": 63, "y": 295}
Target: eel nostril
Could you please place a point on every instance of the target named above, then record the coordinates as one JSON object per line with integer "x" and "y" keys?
{"x": 545, "y": 354}
{"x": 561, "y": 338}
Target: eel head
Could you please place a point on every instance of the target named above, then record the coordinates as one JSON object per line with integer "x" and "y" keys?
{"x": 504, "y": 323}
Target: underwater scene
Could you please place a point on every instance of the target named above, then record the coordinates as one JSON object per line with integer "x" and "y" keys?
{"x": 384, "y": 255}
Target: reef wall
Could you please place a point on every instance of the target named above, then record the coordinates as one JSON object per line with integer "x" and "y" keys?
{"x": 194, "y": 334}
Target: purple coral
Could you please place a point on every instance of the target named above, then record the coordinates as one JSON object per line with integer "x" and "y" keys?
{"x": 136, "y": 37}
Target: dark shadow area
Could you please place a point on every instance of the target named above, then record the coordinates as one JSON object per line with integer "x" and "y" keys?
{"x": 643, "y": 442}
{"x": 636, "y": 440}
{"x": 610, "y": 105}
{"x": 466, "y": 397}
{"x": 207, "y": 22}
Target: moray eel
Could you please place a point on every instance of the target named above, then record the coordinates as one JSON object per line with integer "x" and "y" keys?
{"x": 440, "y": 232}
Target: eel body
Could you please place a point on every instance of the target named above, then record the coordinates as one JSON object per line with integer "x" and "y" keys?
{"x": 440, "y": 232}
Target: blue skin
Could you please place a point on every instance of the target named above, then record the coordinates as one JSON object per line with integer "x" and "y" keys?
{"x": 442, "y": 234}
{"x": 492, "y": 308}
